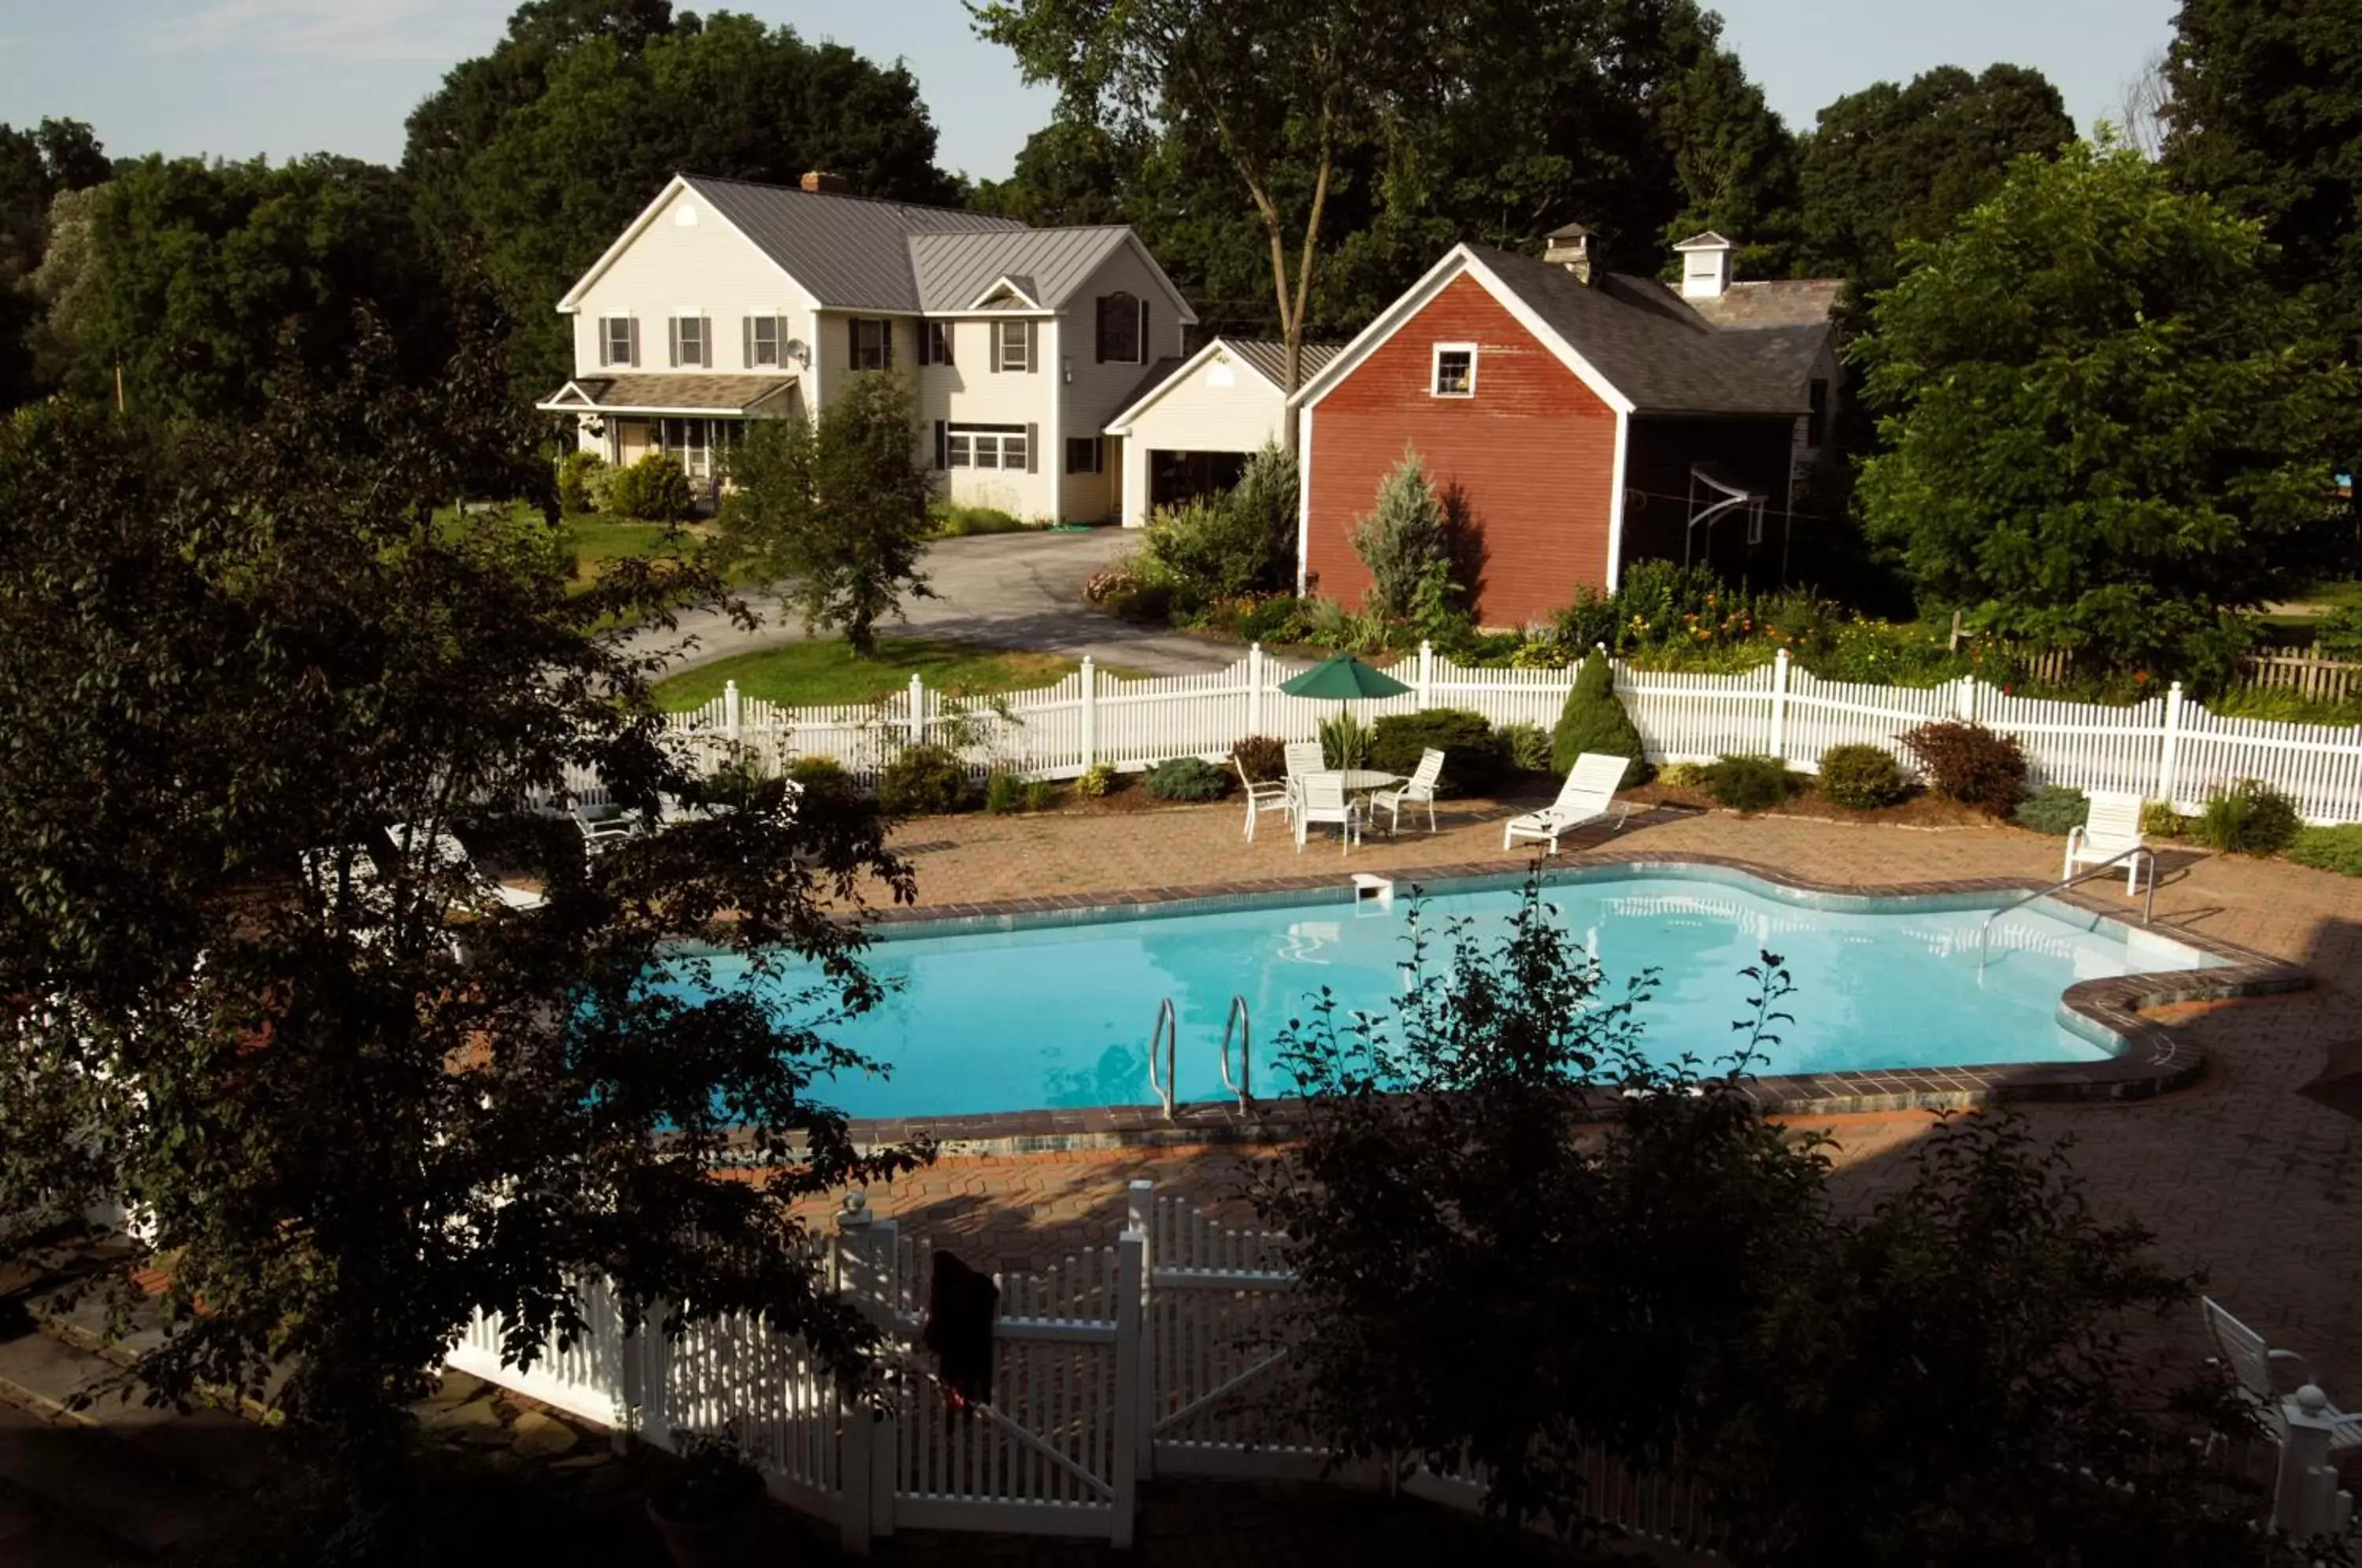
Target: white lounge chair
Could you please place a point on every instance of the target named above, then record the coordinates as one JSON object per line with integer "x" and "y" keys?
{"x": 2113, "y": 828}
{"x": 441, "y": 851}
{"x": 597, "y": 833}
{"x": 1586, "y": 797}
{"x": 1321, "y": 798}
{"x": 1262, "y": 795}
{"x": 1418, "y": 790}
{"x": 2262, "y": 1370}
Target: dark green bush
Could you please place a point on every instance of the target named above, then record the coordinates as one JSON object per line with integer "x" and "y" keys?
{"x": 2055, "y": 809}
{"x": 823, "y": 779}
{"x": 1263, "y": 756}
{"x": 1861, "y": 777}
{"x": 1004, "y": 792}
{"x": 924, "y": 781}
{"x": 1187, "y": 778}
{"x": 2337, "y": 849}
{"x": 579, "y": 481}
{"x": 1970, "y": 763}
{"x": 1041, "y": 795}
{"x": 1526, "y": 748}
{"x": 654, "y": 489}
{"x": 1594, "y": 720}
{"x": 2249, "y": 817}
{"x": 1748, "y": 783}
{"x": 1472, "y": 760}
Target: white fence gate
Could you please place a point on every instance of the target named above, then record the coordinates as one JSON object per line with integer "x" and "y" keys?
{"x": 2167, "y": 748}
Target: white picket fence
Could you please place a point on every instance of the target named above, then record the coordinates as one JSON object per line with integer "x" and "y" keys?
{"x": 2169, "y": 748}
{"x": 1165, "y": 1353}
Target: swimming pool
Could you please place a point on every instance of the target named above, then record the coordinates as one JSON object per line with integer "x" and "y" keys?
{"x": 1018, "y": 1012}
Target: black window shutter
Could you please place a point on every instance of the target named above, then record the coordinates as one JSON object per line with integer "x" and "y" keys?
{"x": 943, "y": 443}
{"x": 1101, "y": 333}
{"x": 1032, "y": 337}
{"x": 1146, "y": 353}
{"x": 885, "y": 342}
{"x": 1032, "y": 448}
{"x": 853, "y": 343}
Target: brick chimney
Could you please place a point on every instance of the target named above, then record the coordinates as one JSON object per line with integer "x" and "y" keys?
{"x": 820, "y": 182}
{"x": 1577, "y": 249}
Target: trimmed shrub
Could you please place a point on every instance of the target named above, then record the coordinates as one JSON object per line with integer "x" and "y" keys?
{"x": 1263, "y": 756}
{"x": 654, "y": 489}
{"x": 1041, "y": 795}
{"x": 1970, "y": 763}
{"x": 823, "y": 778}
{"x": 1187, "y": 778}
{"x": 2337, "y": 849}
{"x": 1684, "y": 775}
{"x": 581, "y": 482}
{"x": 1748, "y": 783}
{"x": 1527, "y": 746}
{"x": 2249, "y": 817}
{"x": 2055, "y": 809}
{"x": 1594, "y": 720}
{"x": 1095, "y": 781}
{"x": 1861, "y": 777}
{"x": 2159, "y": 819}
{"x": 1004, "y": 792}
{"x": 1473, "y": 763}
{"x": 924, "y": 781}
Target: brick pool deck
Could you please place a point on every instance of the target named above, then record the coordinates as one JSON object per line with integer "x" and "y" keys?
{"x": 2241, "y": 1177}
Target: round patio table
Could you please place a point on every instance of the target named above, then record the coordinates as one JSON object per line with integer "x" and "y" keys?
{"x": 1359, "y": 780}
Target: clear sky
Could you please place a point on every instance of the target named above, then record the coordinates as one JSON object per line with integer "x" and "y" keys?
{"x": 239, "y": 77}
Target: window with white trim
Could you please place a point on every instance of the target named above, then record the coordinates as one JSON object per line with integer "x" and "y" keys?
{"x": 1455, "y": 370}
{"x": 692, "y": 341}
{"x": 938, "y": 343}
{"x": 764, "y": 340}
{"x": 1013, "y": 345}
{"x": 1084, "y": 455}
{"x": 619, "y": 340}
{"x": 985, "y": 446}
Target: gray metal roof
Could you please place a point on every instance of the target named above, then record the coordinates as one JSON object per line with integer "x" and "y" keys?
{"x": 954, "y": 270}
{"x": 1265, "y": 356}
{"x": 851, "y": 252}
{"x": 1648, "y": 344}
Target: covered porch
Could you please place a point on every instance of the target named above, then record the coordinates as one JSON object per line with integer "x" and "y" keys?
{"x": 697, "y": 419}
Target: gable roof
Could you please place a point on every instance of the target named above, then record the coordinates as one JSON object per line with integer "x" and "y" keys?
{"x": 1267, "y": 357}
{"x": 1633, "y": 341}
{"x": 862, "y": 253}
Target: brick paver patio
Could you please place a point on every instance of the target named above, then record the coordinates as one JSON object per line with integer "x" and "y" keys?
{"x": 2240, "y": 1177}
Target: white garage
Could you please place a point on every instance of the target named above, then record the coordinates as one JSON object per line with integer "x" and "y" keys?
{"x": 1191, "y": 425}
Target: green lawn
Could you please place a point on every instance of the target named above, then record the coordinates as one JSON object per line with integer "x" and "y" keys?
{"x": 824, "y": 671}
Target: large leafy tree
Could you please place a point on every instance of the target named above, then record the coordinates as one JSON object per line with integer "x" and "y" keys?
{"x": 539, "y": 153}
{"x": 1522, "y": 1241}
{"x": 207, "y": 275}
{"x": 1891, "y": 164}
{"x": 2265, "y": 115}
{"x": 2104, "y": 428}
{"x": 835, "y": 511}
{"x": 37, "y": 166}
{"x": 356, "y": 1099}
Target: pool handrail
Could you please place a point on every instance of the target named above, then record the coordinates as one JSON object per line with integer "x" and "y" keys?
{"x": 1240, "y": 1023}
{"x": 1167, "y": 1033}
{"x": 2148, "y": 907}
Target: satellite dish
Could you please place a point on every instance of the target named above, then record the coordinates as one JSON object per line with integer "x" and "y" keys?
{"x": 800, "y": 351}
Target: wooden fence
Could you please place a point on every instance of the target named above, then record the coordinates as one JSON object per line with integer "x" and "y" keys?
{"x": 2167, "y": 748}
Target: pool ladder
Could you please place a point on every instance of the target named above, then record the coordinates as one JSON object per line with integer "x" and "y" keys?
{"x": 2097, "y": 869}
{"x": 1165, "y": 1038}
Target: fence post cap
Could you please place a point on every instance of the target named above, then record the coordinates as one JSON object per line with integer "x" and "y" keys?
{"x": 855, "y": 1214}
{"x": 2312, "y": 1404}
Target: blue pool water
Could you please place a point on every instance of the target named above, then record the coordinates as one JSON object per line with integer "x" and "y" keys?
{"x": 986, "y": 1018}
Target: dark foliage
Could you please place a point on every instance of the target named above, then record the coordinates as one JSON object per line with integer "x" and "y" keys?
{"x": 1595, "y": 720}
{"x": 1970, "y": 763}
{"x": 1861, "y": 777}
{"x": 2055, "y": 809}
{"x": 1474, "y": 760}
{"x": 1748, "y": 783}
{"x": 924, "y": 781}
{"x": 1189, "y": 779}
{"x": 1262, "y": 757}
{"x": 2249, "y": 817}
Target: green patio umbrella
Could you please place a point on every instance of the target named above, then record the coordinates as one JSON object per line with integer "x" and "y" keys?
{"x": 1342, "y": 679}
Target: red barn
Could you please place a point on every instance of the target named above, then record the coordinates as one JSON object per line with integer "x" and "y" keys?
{"x": 1588, "y": 419}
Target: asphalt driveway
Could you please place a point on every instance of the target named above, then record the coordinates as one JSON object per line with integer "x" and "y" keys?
{"x": 1019, "y": 591}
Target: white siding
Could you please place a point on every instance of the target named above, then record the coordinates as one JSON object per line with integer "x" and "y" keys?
{"x": 968, "y": 390}
{"x": 1100, "y": 392}
{"x": 1221, "y": 406}
{"x": 671, "y": 269}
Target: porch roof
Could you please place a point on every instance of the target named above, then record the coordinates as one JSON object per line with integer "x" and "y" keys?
{"x": 665, "y": 395}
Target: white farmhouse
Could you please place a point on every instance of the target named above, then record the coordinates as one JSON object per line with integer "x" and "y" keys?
{"x": 726, "y": 300}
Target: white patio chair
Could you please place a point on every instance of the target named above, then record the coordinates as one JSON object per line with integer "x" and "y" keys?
{"x": 441, "y": 851}
{"x": 2113, "y": 828}
{"x": 2261, "y": 1370}
{"x": 599, "y": 832}
{"x": 1321, "y": 798}
{"x": 1262, "y": 795}
{"x": 1587, "y": 796}
{"x": 1417, "y": 790}
{"x": 1303, "y": 757}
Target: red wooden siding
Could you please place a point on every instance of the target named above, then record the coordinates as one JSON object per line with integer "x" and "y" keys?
{"x": 1534, "y": 450}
